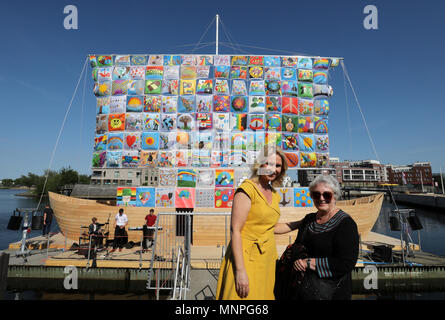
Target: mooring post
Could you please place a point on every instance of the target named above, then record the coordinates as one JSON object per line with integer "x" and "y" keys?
{"x": 4, "y": 262}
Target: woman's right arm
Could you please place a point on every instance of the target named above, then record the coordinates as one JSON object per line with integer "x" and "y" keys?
{"x": 281, "y": 228}
{"x": 240, "y": 210}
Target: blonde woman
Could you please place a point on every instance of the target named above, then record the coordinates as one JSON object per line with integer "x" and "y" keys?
{"x": 248, "y": 268}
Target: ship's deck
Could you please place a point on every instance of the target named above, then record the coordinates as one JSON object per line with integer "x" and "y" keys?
{"x": 202, "y": 257}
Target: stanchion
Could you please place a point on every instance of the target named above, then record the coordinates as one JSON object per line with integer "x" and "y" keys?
{"x": 140, "y": 253}
{"x": 47, "y": 244}
{"x": 89, "y": 250}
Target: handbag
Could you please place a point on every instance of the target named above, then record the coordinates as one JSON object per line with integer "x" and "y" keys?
{"x": 293, "y": 284}
{"x": 312, "y": 287}
{"x": 286, "y": 277}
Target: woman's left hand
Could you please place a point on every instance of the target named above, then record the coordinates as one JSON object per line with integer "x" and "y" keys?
{"x": 300, "y": 264}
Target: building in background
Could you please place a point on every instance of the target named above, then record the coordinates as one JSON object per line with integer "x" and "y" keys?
{"x": 417, "y": 174}
{"x": 116, "y": 177}
{"x": 362, "y": 173}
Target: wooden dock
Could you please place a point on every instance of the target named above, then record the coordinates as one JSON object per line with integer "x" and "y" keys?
{"x": 202, "y": 257}
{"x": 128, "y": 270}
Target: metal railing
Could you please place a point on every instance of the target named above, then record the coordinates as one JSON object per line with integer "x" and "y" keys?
{"x": 170, "y": 263}
{"x": 182, "y": 274}
{"x": 161, "y": 274}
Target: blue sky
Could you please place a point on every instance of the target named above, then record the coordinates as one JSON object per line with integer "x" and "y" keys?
{"x": 396, "y": 70}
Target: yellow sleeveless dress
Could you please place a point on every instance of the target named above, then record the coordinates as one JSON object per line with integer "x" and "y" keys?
{"x": 259, "y": 249}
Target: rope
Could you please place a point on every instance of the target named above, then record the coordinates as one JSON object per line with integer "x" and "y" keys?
{"x": 208, "y": 27}
{"x": 347, "y": 114}
{"x": 81, "y": 114}
{"x": 60, "y": 133}
{"x": 366, "y": 126}
{"x": 229, "y": 36}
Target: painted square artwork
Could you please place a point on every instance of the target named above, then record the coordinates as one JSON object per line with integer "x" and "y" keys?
{"x": 302, "y": 198}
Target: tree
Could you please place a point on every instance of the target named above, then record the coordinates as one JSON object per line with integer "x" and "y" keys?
{"x": 7, "y": 182}
{"x": 68, "y": 176}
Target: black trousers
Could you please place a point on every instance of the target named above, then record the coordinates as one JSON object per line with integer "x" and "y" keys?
{"x": 148, "y": 236}
{"x": 119, "y": 237}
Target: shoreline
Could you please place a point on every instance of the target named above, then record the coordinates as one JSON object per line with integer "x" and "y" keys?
{"x": 25, "y": 194}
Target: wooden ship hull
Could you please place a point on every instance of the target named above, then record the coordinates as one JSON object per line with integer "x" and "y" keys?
{"x": 210, "y": 226}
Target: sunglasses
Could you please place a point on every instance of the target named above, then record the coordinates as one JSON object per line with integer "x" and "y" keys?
{"x": 326, "y": 195}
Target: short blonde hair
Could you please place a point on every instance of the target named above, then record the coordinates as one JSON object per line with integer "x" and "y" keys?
{"x": 268, "y": 150}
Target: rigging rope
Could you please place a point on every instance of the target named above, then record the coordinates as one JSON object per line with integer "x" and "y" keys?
{"x": 229, "y": 36}
{"x": 81, "y": 114}
{"x": 208, "y": 27}
{"x": 60, "y": 132}
{"x": 347, "y": 115}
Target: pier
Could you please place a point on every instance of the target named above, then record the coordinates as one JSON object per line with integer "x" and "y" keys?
{"x": 128, "y": 271}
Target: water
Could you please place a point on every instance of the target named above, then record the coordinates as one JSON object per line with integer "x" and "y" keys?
{"x": 432, "y": 238}
{"x": 8, "y": 203}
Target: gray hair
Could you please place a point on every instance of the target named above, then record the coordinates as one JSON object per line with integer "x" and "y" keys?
{"x": 328, "y": 180}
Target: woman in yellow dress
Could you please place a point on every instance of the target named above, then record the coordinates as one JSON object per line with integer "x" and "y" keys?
{"x": 248, "y": 268}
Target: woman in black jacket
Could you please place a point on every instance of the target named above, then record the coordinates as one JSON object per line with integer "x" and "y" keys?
{"x": 331, "y": 243}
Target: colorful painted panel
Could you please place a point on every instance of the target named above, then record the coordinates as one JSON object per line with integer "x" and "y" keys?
{"x": 286, "y": 197}
{"x": 224, "y": 197}
{"x": 126, "y": 197}
{"x": 224, "y": 178}
{"x": 165, "y": 197}
{"x": 185, "y": 197}
{"x": 302, "y": 198}
{"x": 145, "y": 197}
{"x": 205, "y": 198}
{"x": 186, "y": 178}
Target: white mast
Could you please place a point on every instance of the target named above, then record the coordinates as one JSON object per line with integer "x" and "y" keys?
{"x": 421, "y": 180}
{"x": 217, "y": 35}
{"x": 441, "y": 179}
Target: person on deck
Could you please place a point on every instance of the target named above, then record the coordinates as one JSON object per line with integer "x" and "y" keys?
{"x": 47, "y": 220}
{"x": 150, "y": 220}
{"x": 94, "y": 230}
{"x": 120, "y": 222}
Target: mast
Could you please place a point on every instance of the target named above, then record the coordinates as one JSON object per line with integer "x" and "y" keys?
{"x": 421, "y": 180}
{"x": 441, "y": 179}
{"x": 217, "y": 32}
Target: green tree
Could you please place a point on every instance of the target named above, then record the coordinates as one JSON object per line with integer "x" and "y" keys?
{"x": 68, "y": 176}
{"x": 52, "y": 183}
{"x": 7, "y": 182}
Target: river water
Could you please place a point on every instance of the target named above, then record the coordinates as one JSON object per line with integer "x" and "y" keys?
{"x": 432, "y": 238}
